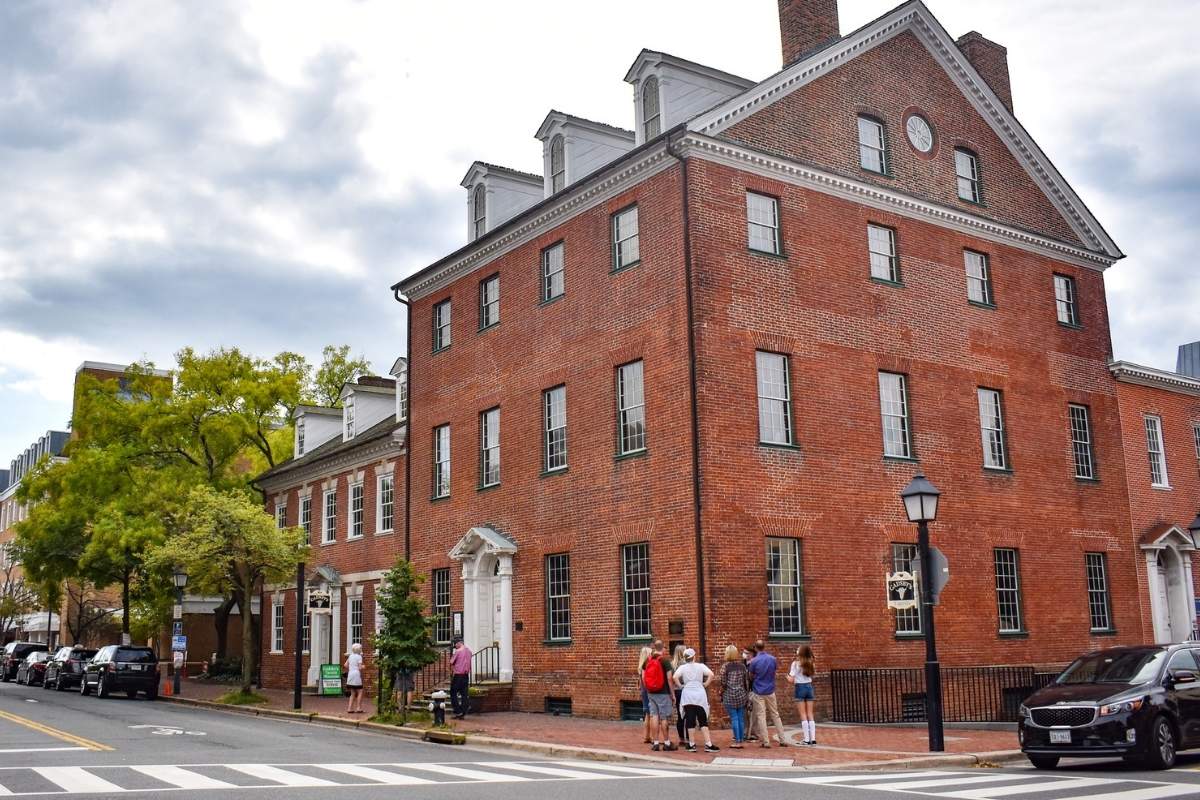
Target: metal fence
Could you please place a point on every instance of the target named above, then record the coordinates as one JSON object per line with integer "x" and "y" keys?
{"x": 969, "y": 694}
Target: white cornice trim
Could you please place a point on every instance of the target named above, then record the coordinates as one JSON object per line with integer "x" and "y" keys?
{"x": 1128, "y": 372}
{"x": 323, "y": 469}
{"x": 793, "y": 172}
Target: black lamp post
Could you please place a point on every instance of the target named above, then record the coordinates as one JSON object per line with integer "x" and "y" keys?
{"x": 180, "y": 577}
{"x": 920, "y": 504}
{"x": 298, "y": 666}
{"x": 1194, "y": 530}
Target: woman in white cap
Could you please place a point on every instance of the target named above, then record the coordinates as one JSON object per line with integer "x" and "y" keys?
{"x": 354, "y": 679}
{"x": 692, "y": 678}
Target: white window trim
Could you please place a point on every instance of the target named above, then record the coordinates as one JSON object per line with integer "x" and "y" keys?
{"x": 879, "y": 148}
{"x": 1070, "y": 302}
{"x": 1162, "y": 452}
{"x": 905, "y": 417}
{"x": 281, "y": 514}
{"x": 328, "y": 532}
{"x": 773, "y": 226}
{"x": 362, "y": 511}
{"x": 617, "y": 242}
{"x": 551, "y": 597}
{"x": 785, "y": 400}
{"x": 438, "y": 460}
{"x": 973, "y": 179}
{"x": 1077, "y": 442}
{"x": 1002, "y": 429}
{"x": 441, "y": 342}
{"x": 1015, "y": 590}
{"x": 893, "y": 265}
{"x": 624, "y": 409}
{"x": 379, "y": 515}
{"x": 548, "y": 275}
{"x": 547, "y": 429}
{"x": 348, "y": 418}
{"x": 306, "y": 524}
{"x": 489, "y": 430}
{"x": 278, "y": 624}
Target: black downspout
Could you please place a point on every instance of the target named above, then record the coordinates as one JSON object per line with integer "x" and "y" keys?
{"x": 407, "y": 425}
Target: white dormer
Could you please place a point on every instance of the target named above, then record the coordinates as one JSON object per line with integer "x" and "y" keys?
{"x": 668, "y": 91}
{"x": 496, "y": 195}
{"x": 574, "y": 147}
{"x": 315, "y": 425}
{"x": 400, "y": 373}
{"x": 366, "y": 403}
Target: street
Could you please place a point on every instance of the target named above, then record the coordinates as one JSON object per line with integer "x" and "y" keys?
{"x": 62, "y": 743}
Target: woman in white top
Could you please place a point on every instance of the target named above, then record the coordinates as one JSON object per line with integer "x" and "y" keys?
{"x": 801, "y": 674}
{"x": 692, "y": 678}
{"x": 354, "y": 679}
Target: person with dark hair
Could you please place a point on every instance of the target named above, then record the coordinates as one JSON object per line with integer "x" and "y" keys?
{"x": 762, "y": 694}
{"x": 801, "y": 675}
{"x": 735, "y": 694}
{"x": 460, "y": 679}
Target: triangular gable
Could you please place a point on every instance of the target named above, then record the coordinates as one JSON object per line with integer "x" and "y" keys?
{"x": 914, "y": 17}
{"x": 1164, "y": 534}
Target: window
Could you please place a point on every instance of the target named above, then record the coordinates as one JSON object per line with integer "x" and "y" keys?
{"x": 489, "y": 447}
{"x": 762, "y": 223}
{"x": 489, "y": 302}
{"x": 306, "y": 517}
{"x": 305, "y": 631}
{"x": 558, "y": 597}
{"x": 1099, "y": 603}
{"x": 1064, "y": 300}
{"x": 626, "y": 250}
{"x": 635, "y": 572}
{"x": 281, "y": 515}
{"x": 966, "y": 167}
{"x": 356, "y": 511}
{"x": 348, "y": 416}
{"x": 1081, "y": 441}
{"x": 904, "y": 559}
{"x": 893, "y": 410}
{"x": 386, "y": 498}
{"x": 872, "y": 153}
{"x": 441, "y": 461}
{"x": 277, "y": 627}
{"x": 631, "y": 409}
{"x": 558, "y": 165}
{"x": 784, "y": 596}
{"x": 554, "y": 402}
{"x": 441, "y": 606}
{"x": 1196, "y": 438}
{"x": 979, "y": 278}
{"x": 991, "y": 426}
{"x": 441, "y": 325}
{"x": 356, "y": 620}
{"x": 552, "y": 272}
{"x": 774, "y": 398}
{"x": 1008, "y": 590}
{"x": 300, "y": 437}
{"x": 329, "y": 531}
{"x": 651, "y": 115}
{"x": 479, "y": 212}
{"x": 1154, "y": 448}
{"x": 881, "y": 242}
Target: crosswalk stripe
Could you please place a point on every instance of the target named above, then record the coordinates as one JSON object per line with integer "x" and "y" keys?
{"x": 372, "y": 774}
{"x": 1060, "y": 784}
{"x": 1157, "y": 792}
{"x": 183, "y": 778}
{"x": 877, "y": 776}
{"x": 468, "y": 774}
{"x": 277, "y": 775}
{"x": 538, "y": 769}
{"x": 648, "y": 773}
{"x": 76, "y": 780}
{"x": 905, "y": 786}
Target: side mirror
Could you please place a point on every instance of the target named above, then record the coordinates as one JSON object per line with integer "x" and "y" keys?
{"x": 1181, "y": 676}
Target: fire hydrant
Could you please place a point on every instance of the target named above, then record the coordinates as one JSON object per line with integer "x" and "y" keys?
{"x": 437, "y": 705}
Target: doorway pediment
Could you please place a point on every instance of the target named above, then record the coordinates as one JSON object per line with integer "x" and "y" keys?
{"x": 1164, "y": 535}
{"x": 482, "y": 539}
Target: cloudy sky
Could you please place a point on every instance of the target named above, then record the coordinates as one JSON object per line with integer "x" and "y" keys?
{"x": 256, "y": 174}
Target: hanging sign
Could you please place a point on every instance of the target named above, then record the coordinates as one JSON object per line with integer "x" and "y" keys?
{"x": 319, "y": 602}
{"x": 901, "y": 590}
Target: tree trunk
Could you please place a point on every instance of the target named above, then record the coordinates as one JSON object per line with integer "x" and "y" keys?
{"x": 221, "y": 621}
{"x": 244, "y": 595}
{"x": 124, "y": 606}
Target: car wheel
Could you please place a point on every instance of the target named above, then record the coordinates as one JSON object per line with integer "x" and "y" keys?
{"x": 131, "y": 694}
{"x": 1044, "y": 762}
{"x": 45, "y": 684}
{"x": 101, "y": 688}
{"x": 58, "y": 684}
{"x": 152, "y": 694}
{"x": 83, "y": 687}
{"x": 1161, "y": 753}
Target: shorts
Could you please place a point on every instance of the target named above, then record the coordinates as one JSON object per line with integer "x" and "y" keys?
{"x": 695, "y": 716}
{"x": 804, "y": 691}
{"x": 660, "y": 704}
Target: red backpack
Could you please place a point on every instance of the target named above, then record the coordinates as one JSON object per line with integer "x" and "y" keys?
{"x": 652, "y": 676}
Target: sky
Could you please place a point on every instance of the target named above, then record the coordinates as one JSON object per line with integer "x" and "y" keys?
{"x": 257, "y": 174}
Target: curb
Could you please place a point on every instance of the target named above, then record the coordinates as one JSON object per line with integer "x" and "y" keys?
{"x": 299, "y": 716}
{"x": 926, "y": 762}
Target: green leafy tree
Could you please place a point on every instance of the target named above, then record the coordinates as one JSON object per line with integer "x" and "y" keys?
{"x": 403, "y": 643}
{"x": 337, "y": 369}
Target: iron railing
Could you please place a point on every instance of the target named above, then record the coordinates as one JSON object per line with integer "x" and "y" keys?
{"x": 485, "y": 666}
{"x": 969, "y": 694}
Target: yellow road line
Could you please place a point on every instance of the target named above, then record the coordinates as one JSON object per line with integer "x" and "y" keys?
{"x": 55, "y": 732}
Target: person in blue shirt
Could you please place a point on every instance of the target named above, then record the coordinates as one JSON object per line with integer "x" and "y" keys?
{"x": 762, "y": 694}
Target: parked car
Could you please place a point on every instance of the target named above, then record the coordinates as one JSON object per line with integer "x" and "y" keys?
{"x": 14, "y": 654}
{"x": 121, "y": 668}
{"x": 1140, "y": 703}
{"x": 33, "y": 668}
{"x": 65, "y": 668}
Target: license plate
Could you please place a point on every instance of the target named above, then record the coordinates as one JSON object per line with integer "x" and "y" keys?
{"x": 135, "y": 667}
{"x": 1060, "y": 737}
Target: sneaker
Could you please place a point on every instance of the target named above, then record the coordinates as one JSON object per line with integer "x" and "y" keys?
{"x": 691, "y": 748}
{"x": 711, "y": 748}
{"x": 655, "y": 747}
{"x": 812, "y": 743}
{"x": 670, "y": 747}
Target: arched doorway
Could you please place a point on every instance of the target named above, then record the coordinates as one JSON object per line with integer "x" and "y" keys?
{"x": 1168, "y": 553}
{"x": 487, "y": 570}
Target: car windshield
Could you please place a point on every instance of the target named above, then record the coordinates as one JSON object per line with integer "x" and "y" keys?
{"x": 63, "y": 654}
{"x": 1129, "y": 666}
{"x": 80, "y": 655}
{"x": 129, "y": 656}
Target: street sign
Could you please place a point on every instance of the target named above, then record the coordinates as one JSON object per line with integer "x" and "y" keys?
{"x": 177, "y": 611}
{"x": 941, "y": 573}
{"x": 901, "y": 590}
{"x": 319, "y": 602}
{"x": 178, "y": 644}
{"x": 331, "y": 680}
{"x": 177, "y": 628}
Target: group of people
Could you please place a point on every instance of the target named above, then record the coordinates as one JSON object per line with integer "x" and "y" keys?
{"x": 676, "y": 687}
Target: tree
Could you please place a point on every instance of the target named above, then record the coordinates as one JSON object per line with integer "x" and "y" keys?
{"x": 85, "y": 619}
{"x": 16, "y": 597}
{"x": 224, "y": 539}
{"x": 336, "y": 370}
{"x": 403, "y": 643}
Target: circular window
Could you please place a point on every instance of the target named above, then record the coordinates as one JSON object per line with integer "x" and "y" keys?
{"x": 920, "y": 133}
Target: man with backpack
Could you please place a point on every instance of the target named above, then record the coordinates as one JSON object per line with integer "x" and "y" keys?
{"x": 656, "y": 677}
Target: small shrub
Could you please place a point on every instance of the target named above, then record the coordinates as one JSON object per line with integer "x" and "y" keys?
{"x": 240, "y": 698}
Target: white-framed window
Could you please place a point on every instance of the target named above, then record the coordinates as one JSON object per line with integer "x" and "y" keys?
{"x": 1081, "y": 441}
{"x": 355, "y": 620}
{"x": 554, "y": 404}
{"x": 441, "y": 325}
{"x": 356, "y": 511}
{"x": 1158, "y": 456}
{"x": 558, "y": 597}
{"x": 785, "y": 591}
{"x": 872, "y": 146}
{"x": 489, "y": 301}
{"x": 305, "y": 629}
{"x": 277, "y": 626}
{"x": 553, "y": 267}
{"x": 1196, "y": 439}
{"x": 631, "y": 409}
{"x": 402, "y": 396}
{"x": 979, "y": 278}
{"x": 991, "y": 428}
{"x": 306, "y": 516}
{"x": 281, "y": 514}
{"x": 1099, "y": 601}
{"x": 651, "y": 112}
{"x": 635, "y": 590}
{"x": 1064, "y": 300}
{"x": 774, "y": 398}
{"x": 762, "y": 223}
{"x": 479, "y": 212}
{"x": 881, "y": 243}
{"x": 1008, "y": 589}
{"x": 441, "y": 606}
{"x": 441, "y": 461}
{"x": 329, "y": 528}
{"x": 626, "y": 244}
{"x": 385, "y": 502}
{"x": 904, "y": 559}
{"x": 893, "y": 412}
{"x": 966, "y": 168}
{"x": 300, "y": 437}
{"x": 558, "y": 164}
{"x": 348, "y": 416}
{"x": 489, "y": 447}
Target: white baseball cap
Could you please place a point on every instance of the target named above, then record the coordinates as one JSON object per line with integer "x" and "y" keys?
{"x": 689, "y": 653}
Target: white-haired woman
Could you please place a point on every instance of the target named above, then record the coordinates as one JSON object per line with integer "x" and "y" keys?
{"x": 354, "y": 679}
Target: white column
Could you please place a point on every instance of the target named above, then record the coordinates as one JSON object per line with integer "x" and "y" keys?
{"x": 470, "y": 604}
{"x": 506, "y": 620}
{"x": 1158, "y": 609}
{"x": 335, "y": 624}
{"x": 1189, "y": 590}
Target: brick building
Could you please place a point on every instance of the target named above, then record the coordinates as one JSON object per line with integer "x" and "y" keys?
{"x": 676, "y": 394}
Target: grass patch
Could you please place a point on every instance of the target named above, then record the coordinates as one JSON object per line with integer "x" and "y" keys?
{"x": 240, "y": 698}
{"x": 420, "y": 719}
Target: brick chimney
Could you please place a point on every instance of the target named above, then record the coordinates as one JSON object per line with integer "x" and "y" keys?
{"x": 991, "y": 61}
{"x": 805, "y": 25}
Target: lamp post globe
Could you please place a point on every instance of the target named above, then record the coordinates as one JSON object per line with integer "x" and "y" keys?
{"x": 920, "y": 499}
{"x": 921, "y": 506}
{"x": 180, "y": 577}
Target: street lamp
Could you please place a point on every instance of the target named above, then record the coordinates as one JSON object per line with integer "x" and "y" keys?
{"x": 1194, "y": 530}
{"x": 920, "y": 504}
{"x": 298, "y": 665}
{"x": 180, "y": 577}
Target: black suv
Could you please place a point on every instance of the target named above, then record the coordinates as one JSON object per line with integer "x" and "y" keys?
{"x": 1140, "y": 703}
{"x": 66, "y": 667}
{"x": 121, "y": 668}
{"x": 14, "y": 654}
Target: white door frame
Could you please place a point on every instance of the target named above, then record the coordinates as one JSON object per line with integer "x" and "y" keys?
{"x": 487, "y": 560}
{"x": 1172, "y": 606}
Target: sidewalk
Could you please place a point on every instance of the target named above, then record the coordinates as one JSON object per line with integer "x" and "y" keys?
{"x": 840, "y": 745}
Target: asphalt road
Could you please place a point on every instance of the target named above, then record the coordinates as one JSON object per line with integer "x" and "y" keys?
{"x": 55, "y": 743}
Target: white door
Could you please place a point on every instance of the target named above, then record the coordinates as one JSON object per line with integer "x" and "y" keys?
{"x": 497, "y": 611}
{"x": 1162, "y": 603}
{"x": 486, "y": 620}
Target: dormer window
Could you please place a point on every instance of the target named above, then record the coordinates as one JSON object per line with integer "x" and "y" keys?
{"x": 348, "y": 416}
{"x": 402, "y": 396}
{"x": 558, "y": 165}
{"x": 651, "y": 112}
{"x": 479, "y": 212}
{"x": 300, "y": 437}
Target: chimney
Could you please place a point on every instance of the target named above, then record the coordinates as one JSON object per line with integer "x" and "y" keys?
{"x": 805, "y": 25}
{"x": 991, "y": 61}
{"x": 1188, "y": 362}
